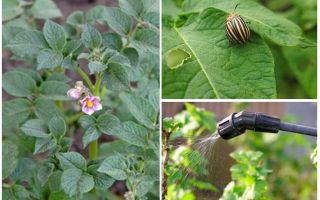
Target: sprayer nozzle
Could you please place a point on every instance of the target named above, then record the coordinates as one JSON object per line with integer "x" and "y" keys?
{"x": 237, "y": 123}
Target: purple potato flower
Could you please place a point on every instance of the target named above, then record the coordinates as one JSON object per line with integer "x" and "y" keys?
{"x": 90, "y": 104}
{"x": 74, "y": 93}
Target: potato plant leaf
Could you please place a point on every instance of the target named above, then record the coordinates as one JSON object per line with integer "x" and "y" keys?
{"x": 221, "y": 69}
{"x": 9, "y": 159}
{"x": 54, "y": 35}
{"x": 72, "y": 160}
{"x": 75, "y": 182}
{"x": 261, "y": 20}
{"x": 27, "y": 43}
{"x": 18, "y": 84}
{"x": 36, "y": 128}
{"x": 117, "y": 20}
{"x": 54, "y": 90}
{"x": 115, "y": 167}
{"x": 141, "y": 109}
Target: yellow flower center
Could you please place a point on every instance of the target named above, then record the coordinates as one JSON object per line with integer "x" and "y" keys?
{"x": 89, "y": 104}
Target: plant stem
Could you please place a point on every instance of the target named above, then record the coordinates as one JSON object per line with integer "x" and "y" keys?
{"x": 74, "y": 118}
{"x": 93, "y": 146}
{"x": 165, "y": 157}
{"x": 98, "y": 84}
{"x": 86, "y": 78}
{"x": 93, "y": 150}
{"x": 134, "y": 30}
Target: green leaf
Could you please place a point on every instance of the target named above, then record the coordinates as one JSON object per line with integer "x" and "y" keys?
{"x": 261, "y": 20}
{"x": 10, "y": 10}
{"x": 56, "y": 76}
{"x": 48, "y": 59}
{"x": 203, "y": 117}
{"x": 101, "y": 180}
{"x": 23, "y": 169}
{"x": 45, "y": 109}
{"x": 44, "y": 173}
{"x": 74, "y": 182}
{"x": 27, "y": 43}
{"x": 146, "y": 40}
{"x": 115, "y": 167}
{"x": 119, "y": 59}
{"x": 76, "y": 18}
{"x": 86, "y": 121}
{"x": 91, "y": 134}
{"x": 132, "y": 55}
{"x": 110, "y": 148}
{"x": 60, "y": 195}
{"x": 54, "y": 182}
{"x": 108, "y": 123}
{"x": 50, "y": 11}
{"x": 57, "y": 127}
{"x": 152, "y": 18}
{"x": 176, "y": 58}
{"x": 151, "y": 5}
{"x": 36, "y": 128}
{"x": 154, "y": 99}
{"x": 132, "y": 7}
{"x": 18, "y": 84}
{"x": 143, "y": 187}
{"x": 9, "y": 158}
{"x": 221, "y": 70}
{"x": 112, "y": 41}
{"x": 65, "y": 144}
{"x": 15, "y": 112}
{"x": 69, "y": 63}
{"x": 44, "y": 144}
{"x": 133, "y": 134}
{"x": 54, "y": 90}
{"x": 72, "y": 47}
{"x": 116, "y": 78}
{"x": 118, "y": 21}
{"x": 96, "y": 66}
{"x": 32, "y": 73}
{"x": 72, "y": 160}
{"x": 141, "y": 109}
{"x": 151, "y": 170}
{"x": 9, "y": 32}
{"x": 96, "y": 14}
{"x": 91, "y": 37}
{"x": 16, "y": 192}
{"x": 303, "y": 64}
{"x": 54, "y": 35}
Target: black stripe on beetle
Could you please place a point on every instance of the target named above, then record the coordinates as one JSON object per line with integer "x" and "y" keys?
{"x": 237, "y": 30}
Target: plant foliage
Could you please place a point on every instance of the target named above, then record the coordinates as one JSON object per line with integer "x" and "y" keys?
{"x": 43, "y": 155}
{"x": 200, "y": 62}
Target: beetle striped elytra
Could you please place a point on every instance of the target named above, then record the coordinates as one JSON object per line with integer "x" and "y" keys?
{"x": 236, "y": 29}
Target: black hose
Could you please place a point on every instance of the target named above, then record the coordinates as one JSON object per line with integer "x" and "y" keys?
{"x": 305, "y": 130}
{"x": 237, "y": 124}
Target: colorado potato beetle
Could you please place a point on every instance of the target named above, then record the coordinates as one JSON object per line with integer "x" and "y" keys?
{"x": 236, "y": 29}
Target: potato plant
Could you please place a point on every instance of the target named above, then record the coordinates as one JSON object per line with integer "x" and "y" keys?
{"x": 182, "y": 164}
{"x": 200, "y": 62}
{"x": 78, "y": 84}
{"x": 248, "y": 177}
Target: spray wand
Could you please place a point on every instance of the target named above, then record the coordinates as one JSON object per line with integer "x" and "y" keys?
{"x": 237, "y": 124}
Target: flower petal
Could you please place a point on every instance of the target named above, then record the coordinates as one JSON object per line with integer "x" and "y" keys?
{"x": 97, "y": 106}
{"x": 74, "y": 93}
{"x": 87, "y": 110}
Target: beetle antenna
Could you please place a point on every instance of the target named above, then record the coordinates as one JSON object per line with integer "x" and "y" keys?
{"x": 235, "y": 7}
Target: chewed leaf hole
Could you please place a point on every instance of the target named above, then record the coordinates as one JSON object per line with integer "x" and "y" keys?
{"x": 176, "y": 58}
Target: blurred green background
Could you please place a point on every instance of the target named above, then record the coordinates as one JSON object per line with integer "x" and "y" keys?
{"x": 296, "y": 67}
